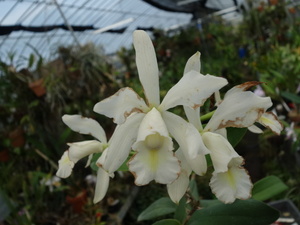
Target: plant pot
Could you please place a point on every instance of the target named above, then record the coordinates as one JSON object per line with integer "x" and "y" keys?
{"x": 17, "y": 137}
{"x": 289, "y": 214}
{"x": 38, "y": 87}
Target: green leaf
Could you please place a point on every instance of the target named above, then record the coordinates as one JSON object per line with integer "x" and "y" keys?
{"x": 31, "y": 60}
{"x": 245, "y": 212}
{"x": 124, "y": 166}
{"x": 194, "y": 189}
{"x": 167, "y": 222}
{"x": 276, "y": 74}
{"x": 267, "y": 188}
{"x": 65, "y": 134}
{"x": 290, "y": 96}
{"x": 207, "y": 203}
{"x": 235, "y": 135}
{"x": 268, "y": 87}
{"x": 94, "y": 160}
{"x": 180, "y": 213}
{"x": 158, "y": 208}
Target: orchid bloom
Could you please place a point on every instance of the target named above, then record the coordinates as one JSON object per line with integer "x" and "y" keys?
{"x": 79, "y": 150}
{"x": 145, "y": 126}
{"x": 239, "y": 108}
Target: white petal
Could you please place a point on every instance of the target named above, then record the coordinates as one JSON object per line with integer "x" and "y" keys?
{"x": 218, "y": 99}
{"x": 120, "y": 143}
{"x": 222, "y": 131}
{"x": 238, "y": 110}
{"x": 271, "y": 121}
{"x": 88, "y": 163}
{"x": 177, "y": 189}
{"x": 160, "y": 165}
{"x": 222, "y": 153}
{"x": 241, "y": 88}
{"x": 84, "y": 125}
{"x": 187, "y": 136}
{"x": 255, "y": 129}
{"x": 193, "y": 63}
{"x": 235, "y": 183}
{"x": 193, "y": 116}
{"x": 184, "y": 164}
{"x": 197, "y": 164}
{"x": 153, "y": 133}
{"x": 192, "y": 90}
{"x": 79, "y": 150}
{"x": 101, "y": 185}
{"x": 65, "y": 166}
{"x": 120, "y": 105}
{"x": 147, "y": 66}
{"x": 101, "y": 159}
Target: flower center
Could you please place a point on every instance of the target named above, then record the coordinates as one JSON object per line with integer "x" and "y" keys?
{"x": 154, "y": 141}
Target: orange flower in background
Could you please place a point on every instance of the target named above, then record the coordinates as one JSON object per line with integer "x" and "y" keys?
{"x": 273, "y": 2}
{"x": 292, "y": 10}
{"x": 78, "y": 202}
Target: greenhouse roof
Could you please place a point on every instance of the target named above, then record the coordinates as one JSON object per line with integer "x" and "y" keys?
{"x": 43, "y": 25}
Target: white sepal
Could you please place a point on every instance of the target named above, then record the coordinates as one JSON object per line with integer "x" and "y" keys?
{"x": 193, "y": 116}
{"x": 121, "y": 105}
{"x": 255, "y": 129}
{"x": 84, "y": 125}
{"x": 193, "y": 63}
{"x": 120, "y": 143}
{"x": 177, "y": 189}
{"x": 79, "y": 150}
{"x": 197, "y": 164}
{"x": 88, "y": 163}
{"x": 241, "y": 88}
{"x": 192, "y": 90}
{"x": 146, "y": 63}
{"x": 101, "y": 185}
{"x": 186, "y": 135}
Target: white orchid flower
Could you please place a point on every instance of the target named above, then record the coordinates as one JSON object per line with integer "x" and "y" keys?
{"x": 239, "y": 108}
{"x": 242, "y": 108}
{"x": 145, "y": 125}
{"x": 79, "y": 150}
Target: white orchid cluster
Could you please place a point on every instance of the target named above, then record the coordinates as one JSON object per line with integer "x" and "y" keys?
{"x": 147, "y": 128}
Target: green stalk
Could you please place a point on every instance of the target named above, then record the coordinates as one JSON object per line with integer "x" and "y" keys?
{"x": 207, "y": 116}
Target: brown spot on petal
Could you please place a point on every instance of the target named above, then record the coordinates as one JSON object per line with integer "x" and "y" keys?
{"x": 99, "y": 165}
{"x": 232, "y": 123}
{"x": 195, "y": 106}
{"x": 247, "y": 85}
{"x": 132, "y": 172}
{"x": 126, "y": 114}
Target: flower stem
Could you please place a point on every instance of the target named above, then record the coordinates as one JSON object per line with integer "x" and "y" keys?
{"x": 207, "y": 116}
